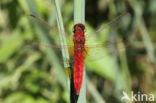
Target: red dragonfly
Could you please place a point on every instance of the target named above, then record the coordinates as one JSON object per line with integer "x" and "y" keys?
{"x": 79, "y": 55}
{"x": 79, "y": 52}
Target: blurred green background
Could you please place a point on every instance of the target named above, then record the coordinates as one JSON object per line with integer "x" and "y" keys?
{"x": 35, "y": 73}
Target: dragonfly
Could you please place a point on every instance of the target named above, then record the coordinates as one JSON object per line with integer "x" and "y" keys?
{"x": 79, "y": 50}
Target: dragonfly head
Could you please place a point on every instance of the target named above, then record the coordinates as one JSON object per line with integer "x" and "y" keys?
{"x": 79, "y": 27}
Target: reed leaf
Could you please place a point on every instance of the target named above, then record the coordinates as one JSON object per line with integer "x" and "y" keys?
{"x": 79, "y": 17}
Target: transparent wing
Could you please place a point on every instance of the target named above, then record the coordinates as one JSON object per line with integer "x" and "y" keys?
{"x": 95, "y": 52}
{"x": 33, "y": 44}
{"x": 105, "y": 51}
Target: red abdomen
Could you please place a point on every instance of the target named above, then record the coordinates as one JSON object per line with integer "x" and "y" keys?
{"x": 78, "y": 71}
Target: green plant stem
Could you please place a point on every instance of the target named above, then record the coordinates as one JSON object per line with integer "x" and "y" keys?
{"x": 64, "y": 49}
{"x": 63, "y": 42}
{"x": 79, "y": 17}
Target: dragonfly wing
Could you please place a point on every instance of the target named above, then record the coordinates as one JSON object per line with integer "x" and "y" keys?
{"x": 56, "y": 48}
{"x": 106, "y": 51}
{"x": 33, "y": 44}
{"x": 104, "y": 59}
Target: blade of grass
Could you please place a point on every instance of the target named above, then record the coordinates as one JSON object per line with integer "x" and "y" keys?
{"x": 42, "y": 32}
{"x": 61, "y": 33}
{"x": 98, "y": 98}
{"x": 64, "y": 50}
{"x": 79, "y": 17}
{"x": 79, "y": 11}
{"x": 144, "y": 33}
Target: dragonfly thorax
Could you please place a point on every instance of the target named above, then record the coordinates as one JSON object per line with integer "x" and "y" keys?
{"x": 80, "y": 39}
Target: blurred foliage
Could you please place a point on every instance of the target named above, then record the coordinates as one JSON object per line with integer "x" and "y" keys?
{"x": 35, "y": 74}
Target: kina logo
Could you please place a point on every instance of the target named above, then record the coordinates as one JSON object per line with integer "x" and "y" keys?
{"x": 137, "y": 97}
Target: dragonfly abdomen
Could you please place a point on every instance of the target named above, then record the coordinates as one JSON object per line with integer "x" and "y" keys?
{"x": 78, "y": 71}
